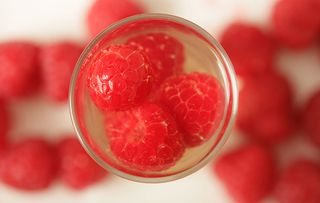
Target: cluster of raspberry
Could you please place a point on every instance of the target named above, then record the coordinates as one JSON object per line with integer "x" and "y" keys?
{"x": 267, "y": 114}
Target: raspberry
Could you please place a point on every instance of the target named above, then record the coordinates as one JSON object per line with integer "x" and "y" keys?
{"x": 247, "y": 173}
{"x": 265, "y": 108}
{"x": 29, "y": 165}
{"x": 145, "y": 138}
{"x": 105, "y": 12}
{"x": 196, "y": 101}
{"x": 250, "y": 49}
{"x": 120, "y": 77}
{"x": 77, "y": 169}
{"x": 57, "y": 63}
{"x": 18, "y": 69}
{"x": 311, "y": 118}
{"x": 165, "y": 52}
{"x": 300, "y": 183}
{"x": 296, "y": 23}
{"x": 272, "y": 128}
{"x": 4, "y": 125}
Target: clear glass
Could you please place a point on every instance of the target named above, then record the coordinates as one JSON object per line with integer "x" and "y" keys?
{"x": 202, "y": 53}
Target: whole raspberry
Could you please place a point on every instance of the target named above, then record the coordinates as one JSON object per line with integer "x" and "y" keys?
{"x": 4, "y": 125}
{"x": 165, "y": 52}
{"x": 57, "y": 63}
{"x": 120, "y": 77}
{"x": 311, "y": 118}
{"x": 29, "y": 165}
{"x": 18, "y": 68}
{"x": 296, "y": 23}
{"x": 77, "y": 169}
{"x": 247, "y": 173}
{"x": 105, "y": 12}
{"x": 145, "y": 138}
{"x": 196, "y": 101}
{"x": 300, "y": 183}
{"x": 265, "y": 108}
{"x": 272, "y": 128}
{"x": 249, "y": 48}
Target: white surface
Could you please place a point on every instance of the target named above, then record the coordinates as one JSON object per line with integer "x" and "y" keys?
{"x": 47, "y": 20}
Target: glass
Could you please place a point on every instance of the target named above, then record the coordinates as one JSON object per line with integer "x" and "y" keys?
{"x": 202, "y": 53}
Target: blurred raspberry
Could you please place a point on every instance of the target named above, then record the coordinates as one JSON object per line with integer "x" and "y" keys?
{"x": 145, "y": 138}
{"x": 311, "y": 119}
{"x": 18, "y": 69}
{"x": 57, "y": 64}
{"x": 300, "y": 183}
{"x": 165, "y": 52}
{"x": 105, "y": 12}
{"x": 296, "y": 23}
{"x": 247, "y": 172}
{"x": 249, "y": 48}
{"x": 273, "y": 127}
{"x": 4, "y": 125}
{"x": 77, "y": 168}
{"x": 265, "y": 108}
{"x": 120, "y": 77}
{"x": 29, "y": 165}
{"x": 196, "y": 102}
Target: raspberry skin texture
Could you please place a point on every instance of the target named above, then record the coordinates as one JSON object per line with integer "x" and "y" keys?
{"x": 196, "y": 101}
{"x": 77, "y": 169}
{"x": 105, "y": 12}
{"x": 29, "y": 165}
{"x": 4, "y": 125}
{"x": 18, "y": 69}
{"x": 311, "y": 118}
{"x": 299, "y": 183}
{"x": 265, "y": 108}
{"x": 296, "y": 23}
{"x": 250, "y": 49}
{"x": 165, "y": 52}
{"x": 120, "y": 77}
{"x": 145, "y": 138}
{"x": 57, "y": 64}
{"x": 247, "y": 173}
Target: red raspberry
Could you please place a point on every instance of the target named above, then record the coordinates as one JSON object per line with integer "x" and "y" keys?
{"x": 57, "y": 62}
{"x": 300, "y": 183}
{"x": 165, "y": 52}
{"x": 4, "y": 125}
{"x": 145, "y": 138}
{"x": 296, "y": 23}
{"x": 105, "y": 12}
{"x": 77, "y": 168}
{"x": 120, "y": 77}
{"x": 247, "y": 173}
{"x": 196, "y": 101}
{"x": 250, "y": 49}
{"x": 265, "y": 108}
{"x": 18, "y": 69}
{"x": 272, "y": 128}
{"x": 29, "y": 165}
{"x": 311, "y": 118}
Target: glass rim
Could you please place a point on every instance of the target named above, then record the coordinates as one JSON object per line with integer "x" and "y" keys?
{"x": 228, "y": 67}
